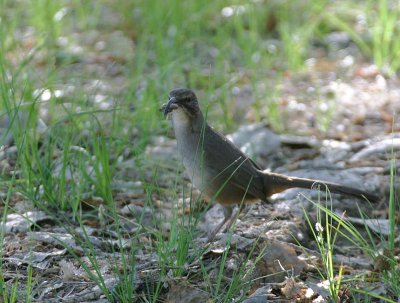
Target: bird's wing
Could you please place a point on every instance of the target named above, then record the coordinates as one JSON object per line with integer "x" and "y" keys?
{"x": 225, "y": 159}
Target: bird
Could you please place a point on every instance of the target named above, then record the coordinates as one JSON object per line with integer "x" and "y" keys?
{"x": 221, "y": 171}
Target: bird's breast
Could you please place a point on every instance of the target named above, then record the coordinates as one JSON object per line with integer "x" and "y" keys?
{"x": 190, "y": 148}
{"x": 191, "y": 152}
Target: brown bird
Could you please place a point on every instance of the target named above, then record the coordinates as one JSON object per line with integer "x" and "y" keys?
{"x": 220, "y": 170}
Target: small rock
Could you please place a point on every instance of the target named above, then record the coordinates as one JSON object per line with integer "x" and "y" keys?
{"x": 259, "y": 296}
{"x": 186, "y": 294}
{"x": 338, "y": 40}
{"x": 279, "y": 259}
{"x": 16, "y": 223}
{"x": 131, "y": 188}
{"x": 22, "y": 118}
{"x": 256, "y": 140}
{"x": 119, "y": 46}
{"x": 380, "y": 150}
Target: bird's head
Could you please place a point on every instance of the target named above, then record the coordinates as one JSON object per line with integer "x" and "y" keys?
{"x": 183, "y": 99}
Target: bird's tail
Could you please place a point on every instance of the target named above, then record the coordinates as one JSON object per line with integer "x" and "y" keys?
{"x": 276, "y": 183}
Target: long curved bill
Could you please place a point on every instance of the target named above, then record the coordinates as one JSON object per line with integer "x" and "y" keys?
{"x": 169, "y": 107}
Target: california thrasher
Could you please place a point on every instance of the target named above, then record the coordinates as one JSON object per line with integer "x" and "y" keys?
{"x": 220, "y": 170}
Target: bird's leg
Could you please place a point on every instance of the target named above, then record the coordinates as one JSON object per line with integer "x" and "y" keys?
{"x": 234, "y": 217}
{"x": 228, "y": 210}
{"x": 229, "y": 217}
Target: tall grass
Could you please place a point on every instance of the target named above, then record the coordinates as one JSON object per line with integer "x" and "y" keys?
{"x": 330, "y": 226}
{"x": 379, "y": 37}
{"x": 325, "y": 234}
{"x": 391, "y": 275}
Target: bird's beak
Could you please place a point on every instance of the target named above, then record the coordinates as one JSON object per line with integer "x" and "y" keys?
{"x": 169, "y": 107}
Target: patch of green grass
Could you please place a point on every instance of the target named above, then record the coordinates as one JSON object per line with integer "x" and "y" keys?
{"x": 240, "y": 280}
{"x": 298, "y": 25}
{"x": 379, "y": 38}
{"x": 328, "y": 228}
{"x": 391, "y": 275}
{"x": 174, "y": 250}
{"x": 9, "y": 295}
{"x": 325, "y": 235}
